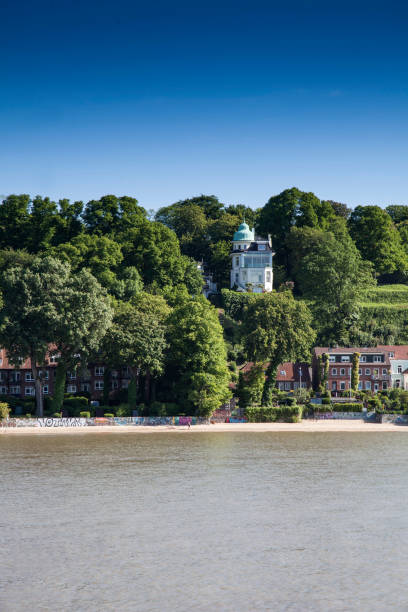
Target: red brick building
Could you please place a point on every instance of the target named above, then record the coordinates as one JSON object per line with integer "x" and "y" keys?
{"x": 378, "y": 367}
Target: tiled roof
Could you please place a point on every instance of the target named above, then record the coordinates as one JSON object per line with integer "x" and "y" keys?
{"x": 400, "y": 351}
{"x": 290, "y": 369}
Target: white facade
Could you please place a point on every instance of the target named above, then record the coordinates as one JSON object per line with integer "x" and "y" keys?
{"x": 251, "y": 260}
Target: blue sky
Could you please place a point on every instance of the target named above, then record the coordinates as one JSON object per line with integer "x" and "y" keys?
{"x": 167, "y": 100}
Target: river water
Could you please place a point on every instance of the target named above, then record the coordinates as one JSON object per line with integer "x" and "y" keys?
{"x": 219, "y": 521}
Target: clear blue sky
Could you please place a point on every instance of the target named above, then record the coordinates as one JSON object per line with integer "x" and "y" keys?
{"x": 166, "y": 100}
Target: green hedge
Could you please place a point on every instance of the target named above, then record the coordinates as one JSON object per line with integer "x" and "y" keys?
{"x": 272, "y": 414}
{"x": 347, "y": 407}
{"x": 85, "y": 415}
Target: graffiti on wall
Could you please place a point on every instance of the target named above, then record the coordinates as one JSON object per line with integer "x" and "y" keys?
{"x": 98, "y": 421}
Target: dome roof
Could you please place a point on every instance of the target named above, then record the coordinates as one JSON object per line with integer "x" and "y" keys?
{"x": 243, "y": 233}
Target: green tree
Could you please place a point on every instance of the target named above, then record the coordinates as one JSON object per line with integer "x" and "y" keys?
{"x": 378, "y": 240}
{"x": 197, "y": 361}
{"x": 136, "y": 338}
{"x": 85, "y": 316}
{"x": 112, "y": 215}
{"x": 398, "y": 213}
{"x": 333, "y": 277}
{"x": 14, "y": 222}
{"x": 277, "y": 328}
{"x": 250, "y": 385}
{"x": 292, "y": 208}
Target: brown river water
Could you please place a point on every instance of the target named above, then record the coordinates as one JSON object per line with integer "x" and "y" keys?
{"x": 219, "y": 521}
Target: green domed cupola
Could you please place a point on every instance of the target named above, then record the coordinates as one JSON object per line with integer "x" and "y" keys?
{"x": 243, "y": 233}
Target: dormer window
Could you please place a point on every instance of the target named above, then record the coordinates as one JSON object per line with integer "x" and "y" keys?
{"x": 283, "y": 372}
{"x": 261, "y": 247}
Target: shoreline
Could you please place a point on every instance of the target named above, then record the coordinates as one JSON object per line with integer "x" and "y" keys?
{"x": 352, "y": 426}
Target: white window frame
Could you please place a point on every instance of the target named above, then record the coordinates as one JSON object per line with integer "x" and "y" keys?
{"x": 360, "y": 371}
{"x": 3, "y": 391}
{"x": 391, "y": 354}
{"x": 29, "y": 376}
{"x": 367, "y": 372}
{"x": 98, "y": 385}
{"x": 363, "y": 359}
{"x": 384, "y": 371}
{"x": 85, "y": 387}
{"x": 99, "y": 370}
{"x": 45, "y": 389}
{"x": 368, "y": 385}
{"x": 377, "y": 359}
{"x": 399, "y": 369}
{"x": 345, "y": 359}
{"x": 287, "y": 386}
{"x": 342, "y": 371}
{"x": 360, "y": 385}
{"x": 283, "y": 372}
{"x": 334, "y": 371}
{"x": 71, "y": 388}
{"x": 332, "y": 358}
{"x": 342, "y": 385}
{"x": 29, "y": 391}
{"x": 16, "y": 390}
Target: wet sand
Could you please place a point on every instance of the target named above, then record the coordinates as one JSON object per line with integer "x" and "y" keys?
{"x": 303, "y": 427}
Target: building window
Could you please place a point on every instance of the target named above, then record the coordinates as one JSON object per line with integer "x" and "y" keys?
{"x": 98, "y": 385}
{"x": 3, "y": 390}
{"x": 44, "y": 374}
{"x": 363, "y": 358}
{"x": 342, "y": 372}
{"x": 367, "y": 371}
{"x": 342, "y": 385}
{"x": 384, "y": 384}
{"x": 368, "y": 385}
{"x": 334, "y": 386}
{"x": 384, "y": 371}
{"x": 376, "y": 371}
{"x": 99, "y": 370}
{"x": 377, "y": 359}
{"x": 303, "y": 385}
{"x": 15, "y": 376}
{"x": 360, "y": 371}
{"x": 390, "y": 354}
{"x": 45, "y": 389}
{"x": 72, "y": 375}
{"x": 71, "y": 388}
{"x": 398, "y": 383}
{"x": 345, "y": 358}
{"x": 125, "y": 384}
{"x": 399, "y": 369}
{"x": 360, "y": 385}
{"x": 236, "y": 262}
{"x": 332, "y": 358}
{"x": 15, "y": 390}
{"x": 334, "y": 371}
{"x": 29, "y": 377}
{"x": 85, "y": 387}
{"x": 287, "y": 386}
{"x": 54, "y": 358}
{"x": 236, "y": 277}
{"x": 283, "y": 372}
{"x": 268, "y": 277}
{"x": 29, "y": 391}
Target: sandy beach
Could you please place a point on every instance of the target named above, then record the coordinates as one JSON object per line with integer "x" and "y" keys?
{"x": 303, "y": 427}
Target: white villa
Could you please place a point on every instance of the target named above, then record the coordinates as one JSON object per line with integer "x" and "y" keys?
{"x": 251, "y": 262}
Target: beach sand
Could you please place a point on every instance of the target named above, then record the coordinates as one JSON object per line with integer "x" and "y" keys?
{"x": 303, "y": 427}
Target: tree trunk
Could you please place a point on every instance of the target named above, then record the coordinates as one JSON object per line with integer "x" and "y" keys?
{"x": 59, "y": 388}
{"x": 147, "y": 387}
{"x": 38, "y": 388}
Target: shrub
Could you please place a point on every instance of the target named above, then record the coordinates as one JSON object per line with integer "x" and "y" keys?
{"x": 28, "y": 415}
{"x": 85, "y": 415}
{"x": 109, "y": 414}
{"x": 75, "y": 404}
{"x": 123, "y": 410}
{"x": 348, "y": 407}
{"x": 57, "y": 415}
{"x": 265, "y": 414}
{"x": 326, "y": 401}
{"x": 4, "y": 411}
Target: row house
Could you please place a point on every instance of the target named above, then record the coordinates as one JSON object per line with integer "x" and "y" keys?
{"x": 380, "y": 367}
{"x": 19, "y": 381}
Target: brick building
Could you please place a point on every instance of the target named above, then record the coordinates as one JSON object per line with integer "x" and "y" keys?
{"x": 380, "y": 367}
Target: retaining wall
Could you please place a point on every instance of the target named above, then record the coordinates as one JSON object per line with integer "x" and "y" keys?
{"x": 111, "y": 421}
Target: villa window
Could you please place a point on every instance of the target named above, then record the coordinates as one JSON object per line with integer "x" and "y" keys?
{"x": 99, "y": 370}
{"x": 368, "y": 385}
{"x": 334, "y": 371}
{"x": 85, "y": 387}
{"x": 360, "y": 371}
{"x": 283, "y": 372}
{"x": 367, "y": 371}
{"x": 15, "y": 390}
{"x": 399, "y": 369}
{"x": 237, "y": 261}
{"x": 342, "y": 372}
{"x": 345, "y": 358}
{"x": 377, "y": 359}
{"x": 29, "y": 391}
{"x": 3, "y": 390}
{"x": 45, "y": 389}
{"x": 384, "y": 384}
{"x": 342, "y": 385}
{"x": 268, "y": 277}
{"x": 332, "y": 358}
{"x": 384, "y": 371}
{"x": 29, "y": 377}
{"x": 363, "y": 358}
{"x": 98, "y": 385}
{"x": 287, "y": 386}
{"x": 71, "y": 388}
{"x": 390, "y": 354}
{"x": 360, "y": 385}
